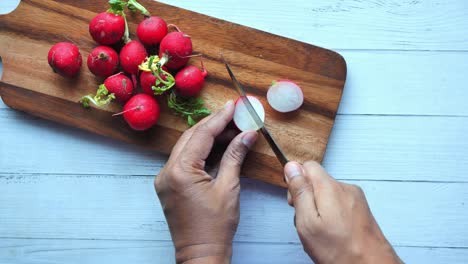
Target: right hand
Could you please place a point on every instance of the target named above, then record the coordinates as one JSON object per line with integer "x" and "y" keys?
{"x": 333, "y": 219}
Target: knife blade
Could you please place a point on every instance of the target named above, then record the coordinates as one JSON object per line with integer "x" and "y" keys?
{"x": 258, "y": 121}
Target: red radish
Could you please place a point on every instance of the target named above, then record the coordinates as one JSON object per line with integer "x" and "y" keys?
{"x": 141, "y": 112}
{"x": 148, "y": 80}
{"x": 285, "y": 96}
{"x": 178, "y": 46}
{"x": 120, "y": 85}
{"x": 103, "y": 61}
{"x": 152, "y": 30}
{"x": 242, "y": 117}
{"x": 190, "y": 80}
{"x": 155, "y": 79}
{"x": 107, "y": 28}
{"x": 65, "y": 59}
{"x": 132, "y": 55}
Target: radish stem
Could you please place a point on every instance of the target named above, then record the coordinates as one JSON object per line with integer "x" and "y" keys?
{"x": 174, "y": 26}
{"x": 98, "y": 99}
{"x": 128, "y": 110}
{"x": 134, "y": 5}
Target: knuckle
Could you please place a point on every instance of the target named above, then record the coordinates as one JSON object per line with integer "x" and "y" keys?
{"x": 157, "y": 182}
{"x": 311, "y": 165}
{"x": 298, "y": 186}
{"x": 236, "y": 153}
{"x": 177, "y": 175}
{"x": 357, "y": 190}
{"x": 305, "y": 227}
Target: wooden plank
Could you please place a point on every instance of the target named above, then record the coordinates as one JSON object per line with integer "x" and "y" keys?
{"x": 397, "y": 25}
{"x": 37, "y": 25}
{"x": 126, "y": 207}
{"x": 402, "y": 83}
{"x": 51, "y": 251}
{"x": 361, "y": 147}
{"x": 376, "y": 86}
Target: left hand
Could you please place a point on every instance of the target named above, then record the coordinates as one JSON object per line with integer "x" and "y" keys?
{"x": 202, "y": 211}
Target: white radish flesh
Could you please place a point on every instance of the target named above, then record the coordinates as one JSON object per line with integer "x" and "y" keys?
{"x": 285, "y": 96}
{"x": 242, "y": 117}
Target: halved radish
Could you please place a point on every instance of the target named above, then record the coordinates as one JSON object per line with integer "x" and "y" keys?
{"x": 285, "y": 96}
{"x": 242, "y": 117}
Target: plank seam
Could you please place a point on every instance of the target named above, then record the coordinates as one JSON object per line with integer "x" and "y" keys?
{"x": 85, "y": 175}
{"x": 7, "y": 109}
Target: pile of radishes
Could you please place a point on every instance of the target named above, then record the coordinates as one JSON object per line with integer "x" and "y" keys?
{"x": 126, "y": 71}
{"x": 132, "y": 68}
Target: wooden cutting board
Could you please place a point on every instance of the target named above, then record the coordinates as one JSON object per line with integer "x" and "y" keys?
{"x": 256, "y": 57}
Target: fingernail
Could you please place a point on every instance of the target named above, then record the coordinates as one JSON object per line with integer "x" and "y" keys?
{"x": 293, "y": 169}
{"x": 249, "y": 139}
{"x": 228, "y": 104}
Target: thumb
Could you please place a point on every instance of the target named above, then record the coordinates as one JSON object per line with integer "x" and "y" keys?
{"x": 300, "y": 189}
{"x": 231, "y": 162}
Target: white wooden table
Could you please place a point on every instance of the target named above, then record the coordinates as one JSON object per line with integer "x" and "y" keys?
{"x": 68, "y": 196}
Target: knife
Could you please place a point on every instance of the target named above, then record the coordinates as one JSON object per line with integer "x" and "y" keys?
{"x": 258, "y": 121}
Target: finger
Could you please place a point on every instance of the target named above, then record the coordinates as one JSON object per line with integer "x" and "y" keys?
{"x": 199, "y": 145}
{"x": 233, "y": 157}
{"x": 301, "y": 190}
{"x": 290, "y": 202}
{"x": 185, "y": 137}
{"x": 320, "y": 178}
{"x": 324, "y": 184}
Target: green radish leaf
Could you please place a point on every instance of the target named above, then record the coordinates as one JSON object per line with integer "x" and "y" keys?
{"x": 192, "y": 108}
{"x": 117, "y": 6}
{"x": 101, "y": 98}
{"x": 190, "y": 121}
{"x": 133, "y": 6}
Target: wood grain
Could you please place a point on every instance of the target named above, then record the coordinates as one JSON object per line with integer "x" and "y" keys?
{"x": 374, "y": 86}
{"x": 360, "y": 147}
{"x": 126, "y": 208}
{"x": 351, "y": 24}
{"x": 25, "y": 40}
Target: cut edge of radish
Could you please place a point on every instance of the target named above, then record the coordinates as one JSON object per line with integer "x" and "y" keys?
{"x": 242, "y": 118}
{"x": 285, "y": 96}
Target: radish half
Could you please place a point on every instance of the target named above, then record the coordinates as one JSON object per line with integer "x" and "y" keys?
{"x": 285, "y": 96}
{"x": 242, "y": 117}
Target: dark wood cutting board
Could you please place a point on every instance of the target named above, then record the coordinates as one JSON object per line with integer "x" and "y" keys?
{"x": 256, "y": 57}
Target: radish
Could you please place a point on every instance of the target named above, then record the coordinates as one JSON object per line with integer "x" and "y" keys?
{"x": 132, "y": 55}
{"x": 107, "y": 28}
{"x": 178, "y": 46}
{"x": 141, "y": 112}
{"x": 120, "y": 85}
{"x": 65, "y": 59}
{"x": 110, "y": 27}
{"x": 189, "y": 81}
{"x": 285, "y": 96}
{"x": 155, "y": 79}
{"x": 148, "y": 82}
{"x": 152, "y": 30}
{"x": 103, "y": 61}
{"x": 242, "y": 117}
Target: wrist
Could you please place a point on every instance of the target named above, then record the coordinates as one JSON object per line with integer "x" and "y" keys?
{"x": 382, "y": 253}
{"x": 204, "y": 253}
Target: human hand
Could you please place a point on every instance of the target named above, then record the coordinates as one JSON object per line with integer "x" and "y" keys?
{"x": 203, "y": 212}
{"x": 333, "y": 219}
